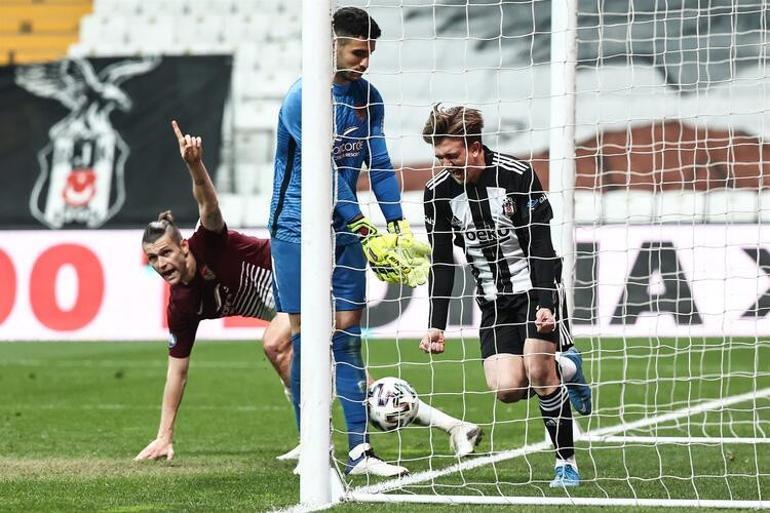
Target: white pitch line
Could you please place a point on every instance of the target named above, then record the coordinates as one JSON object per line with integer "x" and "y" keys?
{"x": 556, "y": 501}
{"x": 375, "y": 492}
{"x": 429, "y": 475}
{"x": 706, "y": 440}
{"x": 683, "y": 412}
{"x": 302, "y": 508}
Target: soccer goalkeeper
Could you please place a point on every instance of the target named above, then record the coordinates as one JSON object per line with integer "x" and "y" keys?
{"x": 492, "y": 205}
{"x": 394, "y": 256}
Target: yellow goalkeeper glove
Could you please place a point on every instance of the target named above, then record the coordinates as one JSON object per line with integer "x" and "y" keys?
{"x": 417, "y": 253}
{"x": 376, "y": 248}
{"x": 406, "y": 241}
{"x": 389, "y": 262}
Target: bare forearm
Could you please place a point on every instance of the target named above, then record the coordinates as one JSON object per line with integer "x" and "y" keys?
{"x": 176, "y": 379}
{"x": 206, "y": 196}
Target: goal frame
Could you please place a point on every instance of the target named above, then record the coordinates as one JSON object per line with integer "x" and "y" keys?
{"x": 319, "y": 487}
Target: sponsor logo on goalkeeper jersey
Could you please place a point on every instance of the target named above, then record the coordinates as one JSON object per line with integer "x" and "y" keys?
{"x": 81, "y": 166}
{"x": 345, "y": 147}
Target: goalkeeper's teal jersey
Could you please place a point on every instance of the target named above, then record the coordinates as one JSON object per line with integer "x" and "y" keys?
{"x": 358, "y": 140}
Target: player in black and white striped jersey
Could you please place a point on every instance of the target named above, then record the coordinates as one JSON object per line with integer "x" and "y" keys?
{"x": 492, "y": 206}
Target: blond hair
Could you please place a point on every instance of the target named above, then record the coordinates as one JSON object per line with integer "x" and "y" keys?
{"x": 458, "y": 121}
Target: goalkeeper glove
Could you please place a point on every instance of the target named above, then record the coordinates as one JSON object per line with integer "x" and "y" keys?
{"x": 376, "y": 248}
{"x": 416, "y": 252}
{"x": 406, "y": 241}
{"x": 389, "y": 262}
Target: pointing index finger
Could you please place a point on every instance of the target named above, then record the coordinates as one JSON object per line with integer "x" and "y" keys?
{"x": 177, "y": 130}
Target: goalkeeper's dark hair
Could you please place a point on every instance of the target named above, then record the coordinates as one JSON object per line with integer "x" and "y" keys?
{"x": 454, "y": 122}
{"x": 164, "y": 225}
{"x": 355, "y": 22}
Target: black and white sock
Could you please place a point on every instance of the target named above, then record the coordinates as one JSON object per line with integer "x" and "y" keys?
{"x": 557, "y": 417}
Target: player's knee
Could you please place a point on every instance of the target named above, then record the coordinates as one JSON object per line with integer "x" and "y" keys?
{"x": 276, "y": 345}
{"x": 542, "y": 373}
{"x": 510, "y": 395}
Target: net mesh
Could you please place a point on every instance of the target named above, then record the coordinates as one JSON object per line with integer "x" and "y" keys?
{"x": 671, "y": 270}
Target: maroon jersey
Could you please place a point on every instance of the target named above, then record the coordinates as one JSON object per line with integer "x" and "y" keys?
{"x": 233, "y": 277}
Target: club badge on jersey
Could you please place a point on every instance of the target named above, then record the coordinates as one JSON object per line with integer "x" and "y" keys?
{"x": 207, "y": 273}
{"x": 509, "y": 207}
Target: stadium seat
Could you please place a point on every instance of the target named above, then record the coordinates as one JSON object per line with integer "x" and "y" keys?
{"x": 282, "y": 55}
{"x": 269, "y": 7}
{"x": 731, "y": 206}
{"x": 120, "y": 8}
{"x": 38, "y": 31}
{"x": 157, "y": 34}
{"x": 247, "y": 29}
{"x": 256, "y": 114}
{"x": 256, "y": 207}
{"x": 231, "y": 206}
{"x": 200, "y": 30}
{"x": 97, "y": 29}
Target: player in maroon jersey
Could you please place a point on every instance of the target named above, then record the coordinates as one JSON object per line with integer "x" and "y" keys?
{"x": 215, "y": 273}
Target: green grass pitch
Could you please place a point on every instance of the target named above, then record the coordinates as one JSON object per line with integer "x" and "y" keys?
{"x": 73, "y": 415}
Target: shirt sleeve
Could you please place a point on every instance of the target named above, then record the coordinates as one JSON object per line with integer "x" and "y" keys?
{"x": 534, "y": 231}
{"x": 381, "y": 173}
{"x": 441, "y": 277}
{"x": 208, "y": 245}
{"x": 346, "y": 205}
{"x": 291, "y": 113}
{"x": 182, "y": 330}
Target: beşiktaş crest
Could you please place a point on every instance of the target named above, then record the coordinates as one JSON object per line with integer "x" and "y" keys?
{"x": 81, "y": 168}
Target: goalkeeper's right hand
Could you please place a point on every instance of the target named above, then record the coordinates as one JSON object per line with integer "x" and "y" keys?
{"x": 389, "y": 263}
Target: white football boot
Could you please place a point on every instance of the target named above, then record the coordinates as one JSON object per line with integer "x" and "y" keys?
{"x": 292, "y": 455}
{"x": 464, "y": 438}
{"x": 363, "y": 461}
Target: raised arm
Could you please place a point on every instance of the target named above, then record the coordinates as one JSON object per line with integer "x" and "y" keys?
{"x": 191, "y": 150}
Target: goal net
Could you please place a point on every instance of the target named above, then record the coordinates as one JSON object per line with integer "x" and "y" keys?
{"x": 666, "y": 240}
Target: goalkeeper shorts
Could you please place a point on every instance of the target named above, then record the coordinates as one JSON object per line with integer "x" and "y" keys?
{"x": 507, "y": 322}
{"x": 348, "y": 278}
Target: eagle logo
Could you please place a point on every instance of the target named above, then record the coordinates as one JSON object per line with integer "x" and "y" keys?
{"x": 81, "y": 176}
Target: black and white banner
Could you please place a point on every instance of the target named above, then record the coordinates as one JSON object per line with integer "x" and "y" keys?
{"x": 86, "y": 143}
{"x": 662, "y": 281}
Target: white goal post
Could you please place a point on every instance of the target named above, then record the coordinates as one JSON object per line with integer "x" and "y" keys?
{"x": 652, "y": 124}
{"x": 317, "y": 252}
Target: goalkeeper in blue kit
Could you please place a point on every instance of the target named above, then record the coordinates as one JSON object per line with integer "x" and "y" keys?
{"x": 395, "y": 256}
